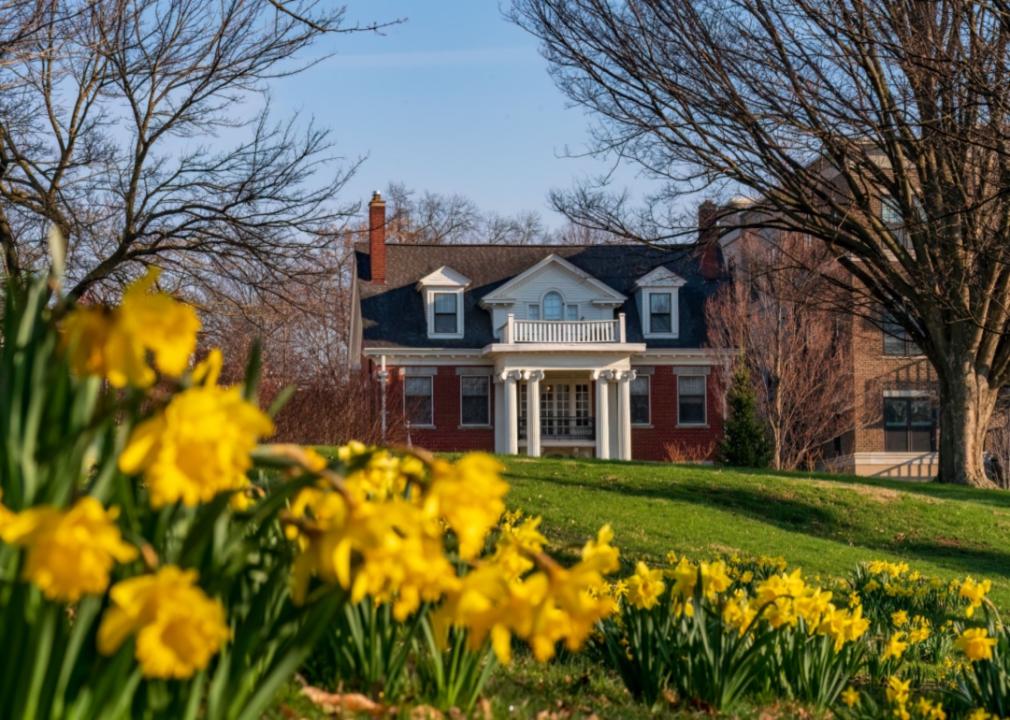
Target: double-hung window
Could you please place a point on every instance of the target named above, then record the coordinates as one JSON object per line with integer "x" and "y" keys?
{"x": 660, "y": 312}
{"x": 909, "y": 424}
{"x": 474, "y": 401}
{"x": 897, "y": 341}
{"x": 691, "y": 400}
{"x": 446, "y": 313}
{"x": 640, "y": 400}
{"x": 418, "y": 405}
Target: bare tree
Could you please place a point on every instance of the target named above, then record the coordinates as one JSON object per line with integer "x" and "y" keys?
{"x": 801, "y": 373}
{"x": 304, "y": 347}
{"x": 140, "y": 129}
{"x": 434, "y": 219}
{"x": 881, "y": 129}
{"x": 429, "y": 218}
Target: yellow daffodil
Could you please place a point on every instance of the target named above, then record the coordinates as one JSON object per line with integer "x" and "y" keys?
{"x": 115, "y": 343}
{"x": 976, "y": 644}
{"x": 197, "y": 447}
{"x": 899, "y": 618}
{"x": 850, "y": 696}
{"x": 645, "y": 586}
{"x": 897, "y": 690}
{"x": 896, "y": 646}
{"x": 70, "y": 552}
{"x": 178, "y": 627}
{"x": 468, "y": 494}
{"x": 974, "y": 592}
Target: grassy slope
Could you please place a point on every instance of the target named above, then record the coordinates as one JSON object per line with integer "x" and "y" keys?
{"x": 824, "y": 523}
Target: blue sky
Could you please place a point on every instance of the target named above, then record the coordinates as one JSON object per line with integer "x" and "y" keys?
{"x": 455, "y": 100}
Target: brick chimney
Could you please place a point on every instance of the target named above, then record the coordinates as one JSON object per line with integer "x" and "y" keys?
{"x": 377, "y": 238}
{"x": 708, "y": 241}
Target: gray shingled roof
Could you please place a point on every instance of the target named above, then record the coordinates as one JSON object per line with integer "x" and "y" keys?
{"x": 393, "y": 314}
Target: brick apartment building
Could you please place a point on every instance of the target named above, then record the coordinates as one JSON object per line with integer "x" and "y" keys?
{"x": 588, "y": 350}
{"x": 891, "y": 425}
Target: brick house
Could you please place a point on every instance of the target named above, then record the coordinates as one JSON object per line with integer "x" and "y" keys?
{"x": 588, "y": 350}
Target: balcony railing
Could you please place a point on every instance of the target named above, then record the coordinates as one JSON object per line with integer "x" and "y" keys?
{"x": 562, "y": 427}
{"x": 564, "y": 331}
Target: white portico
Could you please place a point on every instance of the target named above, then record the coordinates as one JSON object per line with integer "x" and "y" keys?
{"x": 572, "y": 397}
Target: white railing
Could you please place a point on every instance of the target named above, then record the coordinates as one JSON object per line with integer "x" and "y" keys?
{"x": 564, "y": 331}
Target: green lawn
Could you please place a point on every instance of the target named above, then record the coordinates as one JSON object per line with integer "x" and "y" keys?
{"x": 825, "y": 523}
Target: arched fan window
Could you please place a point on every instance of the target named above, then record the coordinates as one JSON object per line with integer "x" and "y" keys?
{"x": 554, "y": 306}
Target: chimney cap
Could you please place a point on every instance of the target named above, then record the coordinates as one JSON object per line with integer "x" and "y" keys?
{"x": 376, "y": 196}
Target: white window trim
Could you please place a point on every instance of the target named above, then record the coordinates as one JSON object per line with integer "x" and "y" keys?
{"x": 431, "y": 393}
{"x": 648, "y": 395}
{"x": 674, "y": 294}
{"x": 429, "y": 300}
{"x": 704, "y": 402}
{"x": 487, "y": 379}
{"x": 543, "y": 315}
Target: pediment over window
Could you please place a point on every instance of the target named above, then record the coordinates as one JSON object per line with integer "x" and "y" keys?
{"x": 660, "y": 277}
{"x": 602, "y": 294}
{"x": 444, "y": 276}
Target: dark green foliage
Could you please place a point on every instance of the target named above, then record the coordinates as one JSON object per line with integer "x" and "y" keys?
{"x": 745, "y": 442}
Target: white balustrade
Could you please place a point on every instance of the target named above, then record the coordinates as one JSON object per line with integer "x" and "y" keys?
{"x": 564, "y": 331}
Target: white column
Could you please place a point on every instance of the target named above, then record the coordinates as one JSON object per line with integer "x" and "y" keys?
{"x": 533, "y": 378}
{"x": 511, "y": 414}
{"x": 500, "y": 436}
{"x": 624, "y": 414}
{"x": 602, "y": 377}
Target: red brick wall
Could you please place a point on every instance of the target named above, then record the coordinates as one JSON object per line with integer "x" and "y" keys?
{"x": 664, "y": 440}
{"x": 447, "y": 435}
{"x": 647, "y": 443}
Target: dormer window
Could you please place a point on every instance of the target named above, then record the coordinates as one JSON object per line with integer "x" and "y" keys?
{"x": 446, "y": 313}
{"x": 659, "y": 303}
{"x": 660, "y": 312}
{"x": 442, "y": 292}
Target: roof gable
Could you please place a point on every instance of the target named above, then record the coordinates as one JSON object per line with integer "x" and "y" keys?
{"x": 504, "y": 293}
{"x": 444, "y": 276}
{"x": 661, "y": 277}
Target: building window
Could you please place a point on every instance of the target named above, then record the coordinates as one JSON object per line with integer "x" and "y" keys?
{"x": 909, "y": 424}
{"x": 417, "y": 401}
{"x": 691, "y": 400}
{"x": 660, "y": 312}
{"x": 553, "y": 306}
{"x": 897, "y": 341}
{"x": 640, "y": 400}
{"x": 533, "y": 312}
{"x": 571, "y": 312}
{"x": 475, "y": 403}
{"x": 446, "y": 313}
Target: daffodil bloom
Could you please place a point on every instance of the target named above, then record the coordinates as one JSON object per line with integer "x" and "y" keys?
{"x": 974, "y": 592}
{"x": 899, "y": 618}
{"x": 468, "y": 494}
{"x": 177, "y": 626}
{"x": 199, "y": 445}
{"x": 976, "y": 644}
{"x": 645, "y": 586}
{"x": 896, "y": 646}
{"x": 850, "y": 696}
{"x": 70, "y": 552}
{"x": 115, "y": 342}
{"x": 897, "y": 690}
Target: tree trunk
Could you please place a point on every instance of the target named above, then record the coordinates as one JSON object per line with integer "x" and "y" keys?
{"x": 967, "y": 403}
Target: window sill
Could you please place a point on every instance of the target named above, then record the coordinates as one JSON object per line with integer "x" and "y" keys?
{"x": 693, "y": 426}
{"x": 642, "y": 426}
{"x": 439, "y": 336}
{"x": 474, "y": 427}
{"x": 422, "y": 427}
{"x": 661, "y": 336}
